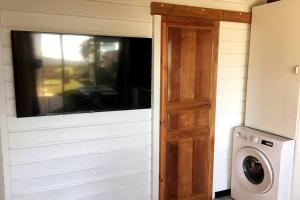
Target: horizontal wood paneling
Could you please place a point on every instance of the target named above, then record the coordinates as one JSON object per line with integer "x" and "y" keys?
{"x": 233, "y": 60}
{"x": 231, "y": 97}
{"x": 229, "y": 47}
{"x": 76, "y": 120}
{"x": 234, "y": 35}
{"x": 145, "y": 3}
{"x": 232, "y": 76}
{"x": 10, "y": 107}
{"x": 68, "y": 135}
{"x": 230, "y": 108}
{"x": 139, "y": 181}
{"x": 7, "y": 56}
{"x": 81, "y": 176}
{"x": 131, "y": 193}
{"x": 230, "y": 73}
{"x": 232, "y": 85}
{"x": 9, "y": 90}
{"x": 6, "y": 38}
{"x": 224, "y": 125}
{"x": 247, "y": 2}
{"x": 85, "y": 25}
{"x": 234, "y": 25}
{"x": 31, "y": 154}
{"x": 77, "y": 156}
{"x": 101, "y": 9}
{"x": 8, "y": 73}
{"x": 78, "y": 162}
{"x": 223, "y": 175}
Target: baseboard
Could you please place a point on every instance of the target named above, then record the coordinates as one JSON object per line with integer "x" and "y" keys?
{"x": 222, "y": 193}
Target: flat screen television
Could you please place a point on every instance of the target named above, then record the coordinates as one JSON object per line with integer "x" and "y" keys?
{"x": 58, "y": 73}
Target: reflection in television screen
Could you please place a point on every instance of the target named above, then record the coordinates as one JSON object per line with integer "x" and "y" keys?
{"x": 63, "y": 73}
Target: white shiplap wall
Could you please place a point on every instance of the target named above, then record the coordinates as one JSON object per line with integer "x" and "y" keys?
{"x": 82, "y": 156}
{"x": 103, "y": 155}
{"x": 1, "y": 171}
{"x": 231, "y": 87}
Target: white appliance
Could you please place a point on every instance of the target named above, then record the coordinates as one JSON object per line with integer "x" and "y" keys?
{"x": 262, "y": 165}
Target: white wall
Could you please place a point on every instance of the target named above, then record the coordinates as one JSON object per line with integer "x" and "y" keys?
{"x": 231, "y": 92}
{"x": 1, "y": 172}
{"x": 82, "y": 156}
{"x": 86, "y": 156}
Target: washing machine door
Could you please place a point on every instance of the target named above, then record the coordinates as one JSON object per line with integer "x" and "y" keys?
{"x": 254, "y": 170}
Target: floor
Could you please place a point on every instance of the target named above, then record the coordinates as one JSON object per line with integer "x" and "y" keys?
{"x": 224, "y": 198}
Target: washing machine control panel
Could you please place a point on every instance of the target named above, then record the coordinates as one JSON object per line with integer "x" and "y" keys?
{"x": 241, "y": 136}
{"x": 254, "y": 139}
{"x": 267, "y": 143}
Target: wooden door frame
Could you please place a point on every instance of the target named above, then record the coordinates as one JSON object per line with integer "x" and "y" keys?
{"x": 163, "y": 86}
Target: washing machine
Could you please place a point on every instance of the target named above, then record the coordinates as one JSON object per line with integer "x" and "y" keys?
{"x": 262, "y": 165}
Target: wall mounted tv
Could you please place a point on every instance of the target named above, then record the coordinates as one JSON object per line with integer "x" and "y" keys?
{"x": 58, "y": 73}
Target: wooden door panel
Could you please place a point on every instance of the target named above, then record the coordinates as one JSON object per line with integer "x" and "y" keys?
{"x": 172, "y": 175}
{"x": 187, "y": 162}
{"x": 188, "y": 120}
{"x": 174, "y": 72}
{"x": 188, "y": 90}
{"x": 201, "y": 168}
{"x": 188, "y": 64}
{"x": 203, "y": 63}
{"x": 185, "y": 168}
{"x": 188, "y": 83}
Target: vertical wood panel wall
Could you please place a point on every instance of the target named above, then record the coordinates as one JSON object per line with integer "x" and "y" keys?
{"x": 86, "y": 156}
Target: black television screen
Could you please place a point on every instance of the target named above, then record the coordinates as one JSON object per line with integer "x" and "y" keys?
{"x": 58, "y": 73}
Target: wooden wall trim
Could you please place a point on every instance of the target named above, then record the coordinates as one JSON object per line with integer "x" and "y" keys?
{"x": 175, "y": 10}
{"x": 235, "y": 16}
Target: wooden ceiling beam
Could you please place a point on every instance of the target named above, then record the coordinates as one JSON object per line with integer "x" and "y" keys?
{"x": 166, "y": 9}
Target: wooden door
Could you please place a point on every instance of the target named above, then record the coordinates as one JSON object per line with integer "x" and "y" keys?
{"x": 188, "y": 90}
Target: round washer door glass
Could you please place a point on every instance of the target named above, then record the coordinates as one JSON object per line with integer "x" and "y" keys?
{"x": 253, "y": 170}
